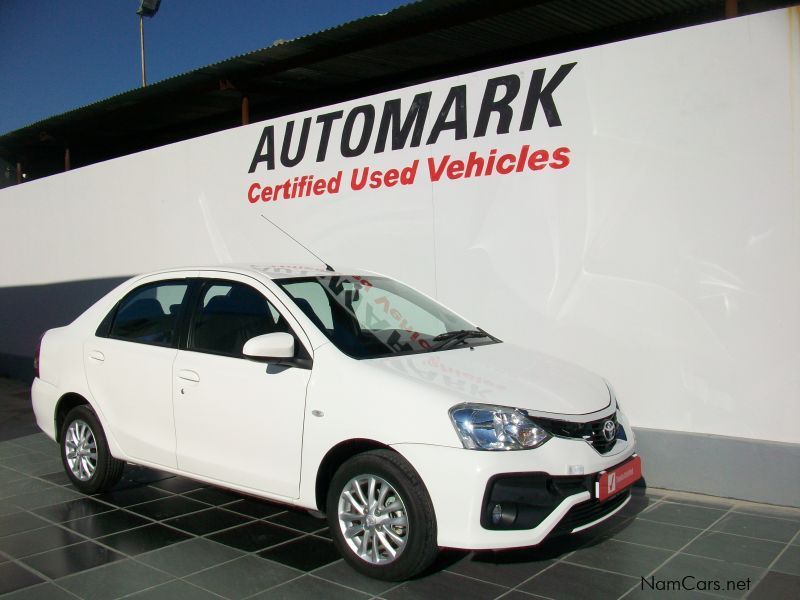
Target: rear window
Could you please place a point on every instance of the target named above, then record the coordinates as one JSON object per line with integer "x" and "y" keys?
{"x": 149, "y": 314}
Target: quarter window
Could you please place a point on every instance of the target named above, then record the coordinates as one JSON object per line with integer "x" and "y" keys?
{"x": 313, "y": 301}
{"x": 149, "y": 314}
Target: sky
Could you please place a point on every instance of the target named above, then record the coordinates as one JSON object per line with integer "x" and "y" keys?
{"x": 57, "y": 55}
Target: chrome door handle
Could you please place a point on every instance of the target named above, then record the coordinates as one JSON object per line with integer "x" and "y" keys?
{"x": 97, "y": 355}
{"x": 188, "y": 375}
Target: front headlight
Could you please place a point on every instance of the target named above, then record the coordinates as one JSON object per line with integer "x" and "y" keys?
{"x": 488, "y": 427}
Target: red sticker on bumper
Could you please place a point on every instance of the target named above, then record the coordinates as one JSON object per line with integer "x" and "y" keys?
{"x": 617, "y": 479}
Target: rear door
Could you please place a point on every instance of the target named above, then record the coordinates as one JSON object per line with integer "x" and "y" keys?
{"x": 237, "y": 420}
{"x": 129, "y": 368}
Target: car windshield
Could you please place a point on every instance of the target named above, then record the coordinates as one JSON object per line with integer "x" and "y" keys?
{"x": 370, "y": 317}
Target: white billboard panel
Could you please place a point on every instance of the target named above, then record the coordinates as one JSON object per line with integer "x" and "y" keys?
{"x": 634, "y": 208}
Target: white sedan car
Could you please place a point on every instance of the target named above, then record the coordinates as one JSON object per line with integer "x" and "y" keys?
{"x": 346, "y": 393}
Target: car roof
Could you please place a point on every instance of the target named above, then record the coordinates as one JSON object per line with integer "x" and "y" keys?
{"x": 271, "y": 271}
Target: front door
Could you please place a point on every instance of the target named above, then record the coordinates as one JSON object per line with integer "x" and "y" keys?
{"x": 237, "y": 420}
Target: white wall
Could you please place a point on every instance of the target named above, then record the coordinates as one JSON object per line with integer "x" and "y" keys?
{"x": 665, "y": 256}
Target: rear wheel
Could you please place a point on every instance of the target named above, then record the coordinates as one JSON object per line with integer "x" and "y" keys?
{"x": 381, "y": 516}
{"x": 85, "y": 454}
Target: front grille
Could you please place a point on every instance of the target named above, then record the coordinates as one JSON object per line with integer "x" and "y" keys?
{"x": 588, "y": 512}
{"x": 592, "y": 431}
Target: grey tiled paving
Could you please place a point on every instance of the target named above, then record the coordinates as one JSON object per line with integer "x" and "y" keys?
{"x": 17, "y": 522}
{"x": 684, "y": 514}
{"x": 655, "y": 534}
{"x": 620, "y": 557}
{"x": 47, "y": 538}
{"x": 735, "y": 549}
{"x": 710, "y": 570}
{"x": 157, "y": 536}
{"x": 789, "y": 561}
{"x": 445, "y": 585}
{"x": 568, "y": 581}
{"x": 174, "y": 590}
{"x": 339, "y": 572}
{"x": 309, "y": 586}
{"x": 189, "y": 557}
{"x": 113, "y": 580}
{"x": 503, "y": 568}
{"x": 243, "y": 577}
{"x": 768, "y": 528}
{"x": 776, "y": 585}
{"x": 42, "y": 591}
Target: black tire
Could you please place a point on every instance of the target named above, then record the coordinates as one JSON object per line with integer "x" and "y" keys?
{"x": 107, "y": 470}
{"x": 420, "y": 547}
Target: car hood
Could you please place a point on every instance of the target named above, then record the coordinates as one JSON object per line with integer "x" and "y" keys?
{"x": 506, "y": 375}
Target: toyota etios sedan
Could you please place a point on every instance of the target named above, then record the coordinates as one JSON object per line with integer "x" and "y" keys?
{"x": 346, "y": 393}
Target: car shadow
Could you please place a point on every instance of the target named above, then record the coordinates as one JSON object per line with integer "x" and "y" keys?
{"x": 452, "y": 559}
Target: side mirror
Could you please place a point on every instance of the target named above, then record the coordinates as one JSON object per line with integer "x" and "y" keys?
{"x": 278, "y": 346}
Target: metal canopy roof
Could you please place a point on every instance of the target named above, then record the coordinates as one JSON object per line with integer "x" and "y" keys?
{"x": 410, "y": 44}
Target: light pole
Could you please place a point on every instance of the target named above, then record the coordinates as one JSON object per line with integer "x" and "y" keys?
{"x": 147, "y": 8}
{"x": 141, "y": 42}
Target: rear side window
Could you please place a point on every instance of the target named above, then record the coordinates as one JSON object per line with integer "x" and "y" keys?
{"x": 228, "y": 315}
{"x": 149, "y": 314}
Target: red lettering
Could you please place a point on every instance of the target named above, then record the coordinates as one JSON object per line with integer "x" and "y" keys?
{"x": 319, "y": 187}
{"x": 490, "y": 161}
{"x": 474, "y": 165}
{"x": 505, "y": 164}
{"x": 363, "y": 282}
{"x": 385, "y": 302}
{"x": 334, "y": 183}
{"x": 391, "y": 177}
{"x": 251, "y": 196}
{"x": 356, "y": 183}
{"x": 538, "y": 160}
{"x": 523, "y": 158}
{"x": 561, "y": 156}
{"x": 455, "y": 170}
{"x": 409, "y": 173}
{"x": 436, "y": 173}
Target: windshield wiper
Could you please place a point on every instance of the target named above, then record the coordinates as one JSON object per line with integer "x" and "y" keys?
{"x": 452, "y": 337}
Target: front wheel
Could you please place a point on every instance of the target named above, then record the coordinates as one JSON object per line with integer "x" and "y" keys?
{"x": 381, "y": 516}
{"x": 85, "y": 454}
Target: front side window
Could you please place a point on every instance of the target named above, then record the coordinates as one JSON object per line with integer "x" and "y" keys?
{"x": 377, "y": 316}
{"x": 149, "y": 314}
{"x": 228, "y": 314}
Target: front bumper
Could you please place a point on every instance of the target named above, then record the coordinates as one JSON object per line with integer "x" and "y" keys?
{"x": 461, "y": 483}
{"x": 522, "y": 501}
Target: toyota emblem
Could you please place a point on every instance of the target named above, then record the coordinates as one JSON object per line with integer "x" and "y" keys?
{"x": 609, "y": 430}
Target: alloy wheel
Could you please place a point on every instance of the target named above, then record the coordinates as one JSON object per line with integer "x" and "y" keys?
{"x": 81, "y": 450}
{"x": 373, "y": 519}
